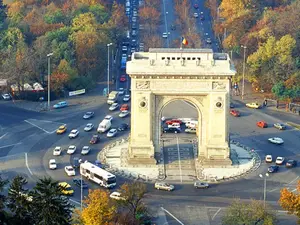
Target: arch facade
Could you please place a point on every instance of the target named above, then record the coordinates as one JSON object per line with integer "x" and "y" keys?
{"x": 203, "y": 81}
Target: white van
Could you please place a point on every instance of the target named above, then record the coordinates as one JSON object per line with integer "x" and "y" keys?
{"x": 191, "y": 124}
{"x": 104, "y": 126}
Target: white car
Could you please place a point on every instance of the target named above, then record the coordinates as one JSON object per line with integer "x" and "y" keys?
{"x": 108, "y": 117}
{"x": 89, "y": 127}
{"x": 276, "y": 140}
{"x": 6, "y": 96}
{"x": 88, "y": 115}
{"x": 70, "y": 171}
{"x": 176, "y": 125}
{"x": 114, "y": 106}
{"x": 124, "y": 114}
{"x": 74, "y": 133}
{"x": 52, "y": 164}
{"x": 116, "y": 195}
{"x": 121, "y": 91}
{"x": 57, "y": 150}
{"x": 111, "y": 133}
{"x": 196, "y": 15}
{"x": 126, "y": 98}
{"x": 165, "y": 35}
{"x": 71, "y": 150}
{"x": 269, "y": 158}
{"x": 279, "y": 160}
{"x": 85, "y": 150}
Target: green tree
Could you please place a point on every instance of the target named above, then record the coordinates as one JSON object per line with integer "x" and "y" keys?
{"x": 3, "y": 215}
{"x": 19, "y": 201}
{"x": 3, "y": 14}
{"x": 248, "y": 213}
{"x": 49, "y": 205}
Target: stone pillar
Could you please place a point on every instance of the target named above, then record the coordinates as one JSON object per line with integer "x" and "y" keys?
{"x": 141, "y": 149}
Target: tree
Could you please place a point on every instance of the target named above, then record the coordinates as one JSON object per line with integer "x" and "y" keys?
{"x": 133, "y": 208}
{"x": 248, "y": 213}
{"x": 58, "y": 81}
{"x": 3, "y": 214}
{"x": 19, "y": 201}
{"x": 99, "y": 208}
{"x": 49, "y": 204}
{"x": 290, "y": 201}
{"x": 3, "y": 14}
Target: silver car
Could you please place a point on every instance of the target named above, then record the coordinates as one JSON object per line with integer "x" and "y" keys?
{"x": 199, "y": 184}
{"x": 164, "y": 186}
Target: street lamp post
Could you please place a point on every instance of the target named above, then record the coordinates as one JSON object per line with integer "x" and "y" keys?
{"x": 49, "y": 56}
{"x": 108, "y": 67}
{"x": 81, "y": 194}
{"x": 244, "y": 66}
{"x": 265, "y": 186}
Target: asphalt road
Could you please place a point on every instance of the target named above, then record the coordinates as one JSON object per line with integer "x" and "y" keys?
{"x": 33, "y": 133}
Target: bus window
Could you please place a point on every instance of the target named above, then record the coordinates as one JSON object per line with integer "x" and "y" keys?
{"x": 98, "y": 177}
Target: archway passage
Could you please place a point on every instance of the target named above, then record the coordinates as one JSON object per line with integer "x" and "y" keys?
{"x": 198, "y": 76}
{"x": 179, "y": 121}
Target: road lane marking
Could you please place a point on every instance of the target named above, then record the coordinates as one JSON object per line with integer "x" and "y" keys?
{"x": 172, "y": 215}
{"x": 294, "y": 180}
{"x": 5, "y": 146}
{"x": 179, "y": 159}
{"x": 26, "y": 162}
{"x": 3, "y": 136}
{"x": 273, "y": 190}
{"x": 294, "y": 190}
{"x": 216, "y": 214}
{"x": 38, "y": 127}
{"x": 74, "y": 201}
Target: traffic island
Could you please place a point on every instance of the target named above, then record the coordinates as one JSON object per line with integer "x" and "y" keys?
{"x": 114, "y": 157}
{"x": 244, "y": 161}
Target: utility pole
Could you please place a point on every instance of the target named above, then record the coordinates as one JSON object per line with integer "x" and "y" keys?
{"x": 108, "y": 56}
{"x": 244, "y": 67}
{"x": 49, "y": 56}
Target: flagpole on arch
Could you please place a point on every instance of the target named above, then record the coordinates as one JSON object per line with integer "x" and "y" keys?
{"x": 181, "y": 42}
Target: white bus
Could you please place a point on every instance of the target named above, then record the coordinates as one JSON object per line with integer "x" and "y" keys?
{"x": 98, "y": 175}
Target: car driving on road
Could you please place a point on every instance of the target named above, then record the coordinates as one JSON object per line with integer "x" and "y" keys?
{"x": 279, "y": 126}
{"x": 273, "y": 169}
{"x": 253, "y": 105}
{"x": 199, "y": 184}
{"x": 89, "y": 127}
{"x": 80, "y": 183}
{"x": 52, "y": 164}
{"x": 276, "y": 140}
{"x": 85, "y": 150}
{"x": 62, "y": 129}
{"x": 66, "y": 188}
{"x": 95, "y": 138}
{"x": 124, "y": 114}
{"x": 172, "y": 130}
{"x": 71, "y": 150}
{"x": 123, "y": 127}
{"x": 57, "y": 150}
{"x": 111, "y": 133}
{"x": 70, "y": 171}
{"x": 88, "y": 115}
{"x": 74, "y": 133}
{"x": 114, "y": 106}
{"x": 164, "y": 186}
{"x": 291, "y": 163}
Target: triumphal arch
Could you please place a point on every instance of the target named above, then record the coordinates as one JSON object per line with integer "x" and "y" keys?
{"x": 198, "y": 76}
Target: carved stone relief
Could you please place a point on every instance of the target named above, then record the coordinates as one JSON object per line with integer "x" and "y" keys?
{"x": 181, "y": 85}
{"x": 216, "y": 85}
{"x": 142, "y": 85}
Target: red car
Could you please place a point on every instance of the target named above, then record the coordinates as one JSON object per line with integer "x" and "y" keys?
{"x": 124, "y": 107}
{"x": 94, "y": 139}
{"x": 123, "y": 78}
{"x": 170, "y": 122}
{"x": 262, "y": 124}
{"x": 196, "y": 6}
{"x": 235, "y": 113}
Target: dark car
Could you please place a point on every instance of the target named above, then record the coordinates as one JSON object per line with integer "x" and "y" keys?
{"x": 78, "y": 182}
{"x": 231, "y": 105}
{"x": 94, "y": 139}
{"x": 123, "y": 127}
{"x": 202, "y": 17}
{"x": 273, "y": 169}
{"x": 171, "y": 130}
{"x": 291, "y": 163}
{"x": 76, "y": 162}
{"x": 173, "y": 27}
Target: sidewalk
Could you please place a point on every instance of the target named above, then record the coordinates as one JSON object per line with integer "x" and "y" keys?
{"x": 90, "y": 99}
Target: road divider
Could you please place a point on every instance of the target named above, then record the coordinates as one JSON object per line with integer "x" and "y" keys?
{"x": 296, "y": 125}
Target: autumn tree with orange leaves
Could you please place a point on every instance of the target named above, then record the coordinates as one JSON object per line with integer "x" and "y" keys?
{"x": 290, "y": 201}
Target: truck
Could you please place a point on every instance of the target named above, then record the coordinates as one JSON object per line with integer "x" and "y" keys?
{"x": 112, "y": 97}
{"x": 123, "y": 62}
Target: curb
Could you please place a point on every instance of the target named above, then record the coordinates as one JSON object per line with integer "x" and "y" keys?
{"x": 256, "y": 164}
{"x": 295, "y": 125}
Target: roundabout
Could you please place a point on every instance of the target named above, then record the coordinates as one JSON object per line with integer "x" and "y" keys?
{"x": 39, "y": 147}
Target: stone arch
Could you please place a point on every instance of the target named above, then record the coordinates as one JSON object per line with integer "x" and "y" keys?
{"x": 197, "y": 101}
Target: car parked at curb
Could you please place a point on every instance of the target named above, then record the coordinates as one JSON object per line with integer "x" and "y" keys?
{"x": 279, "y": 126}
{"x": 279, "y": 160}
{"x": 60, "y": 105}
{"x": 199, "y": 184}
{"x": 269, "y": 158}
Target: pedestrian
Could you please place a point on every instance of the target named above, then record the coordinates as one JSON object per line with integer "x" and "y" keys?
{"x": 265, "y": 102}
{"x": 277, "y": 103}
